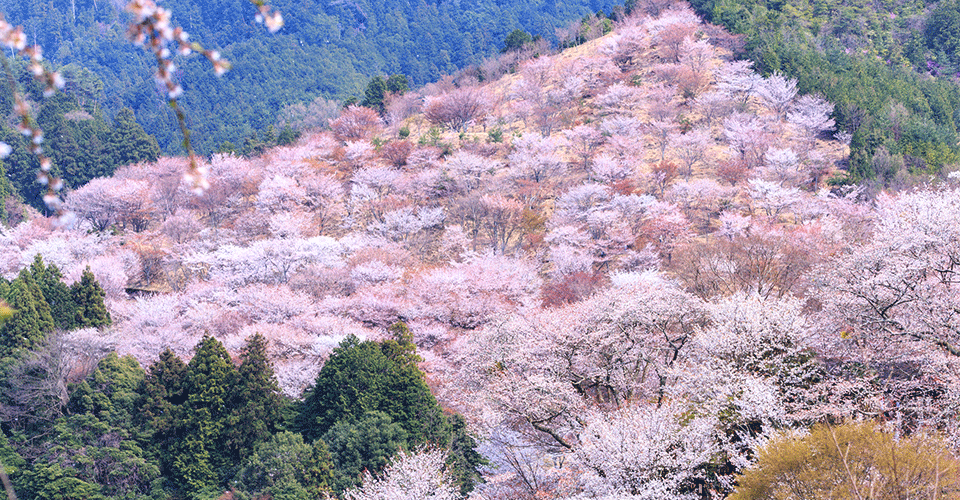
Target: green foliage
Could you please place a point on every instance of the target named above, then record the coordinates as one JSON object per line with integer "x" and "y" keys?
{"x": 286, "y": 468}
{"x": 204, "y": 419}
{"x": 365, "y": 381}
{"x": 7, "y": 191}
{"x": 374, "y": 94}
{"x": 325, "y": 49}
{"x": 129, "y": 143}
{"x": 79, "y": 139}
{"x": 63, "y": 308}
{"x": 11, "y": 461}
{"x": 257, "y": 404}
{"x": 112, "y": 391}
{"x": 366, "y": 443}
{"x": 860, "y": 58}
{"x": 88, "y": 300}
{"x": 162, "y": 396}
{"x": 398, "y": 84}
{"x": 31, "y": 320}
{"x": 942, "y": 36}
{"x": 53, "y": 482}
{"x": 848, "y": 461}
{"x": 208, "y": 383}
{"x": 369, "y": 376}
{"x": 516, "y": 40}
{"x": 95, "y": 441}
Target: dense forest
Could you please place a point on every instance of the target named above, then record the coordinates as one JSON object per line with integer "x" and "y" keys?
{"x": 327, "y": 49}
{"x": 891, "y": 68}
{"x": 83, "y": 143}
{"x": 631, "y": 265}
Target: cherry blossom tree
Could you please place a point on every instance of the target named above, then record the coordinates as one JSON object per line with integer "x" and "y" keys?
{"x": 181, "y": 227}
{"x": 266, "y": 261}
{"x": 539, "y": 372}
{"x": 751, "y": 257}
{"x": 771, "y": 197}
{"x": 895, "y": 289}
{"x": 537, "y": 158}
{"x": 323, "y": 196}
{"x": 747, "y": 137}
{"x": 91, "y": 203}
{"x": 645, "y": 452}
{"x": 542, "y": 97}
{"x": 811, "y": 115}
{"x": 470, "y": 171}
{"x": 777, "y": 93}
{"x": 700, "y": 58}
{"x": 619, "y": 99}
{"x": 628, "y": 46}
{"x": 472, "y": 293}
{"x": 421, "y": 474}
{"x": 770, "y": 339}
{"x": 356, "y": 123}
{"x": 670, "y": 39}
{"x": 782, "y": 165}
{"x": 691, "y": 148}
{"x": 456, "y": 109}
{"x": 167, "y": 190}
{"x": 737, "y": 80}
{"x": 583, "y": 141}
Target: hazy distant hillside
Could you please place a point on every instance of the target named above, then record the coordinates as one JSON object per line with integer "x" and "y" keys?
{"x": 327, "y": 48}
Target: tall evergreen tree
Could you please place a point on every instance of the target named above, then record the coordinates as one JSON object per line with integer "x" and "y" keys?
{"x": 257, "y": 406}
{"x": 285, "y": 467}
{"x": 43, "y": 308}
{"x": 210, "y": 381}
{"x": 374, "y": 94}
{"x": 27, "y": 327}
{"x": 88, "y": 298}
{"x": 363, "y": 379}
{"x": 63, "y": 309}
{"x": 371, "y": 376}
{"x": 129, "y": 143}
{"x": 161, "y": 406}
{"x": 398, "y": 84}
{"x": 366, "y": 444}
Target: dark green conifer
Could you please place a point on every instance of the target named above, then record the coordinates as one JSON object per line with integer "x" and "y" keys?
{"x": 43, "y": 308}
{"x": 210, "y": 383}
{"x": 63, "y": 309}
{"x": 286, "y": 467}
{"x": 369, "y": 376}
{"x": 374, "y": 94}
{"x": 257, "y": 406}
{"x": 129, "y": 143}
{"x": 398, "y": 84}
{"x": 88, "y": 299}
{"x": 23, "y": 330}
{"x": 161, "y": 407}
{"x": 365, "y": 444}
{"x": 365, "y": 379}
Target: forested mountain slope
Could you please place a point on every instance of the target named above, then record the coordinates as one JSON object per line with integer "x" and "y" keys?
{"x": 327, "y": 48}
{"x": 615, "y": 272}
{"x": 892, "y": 68}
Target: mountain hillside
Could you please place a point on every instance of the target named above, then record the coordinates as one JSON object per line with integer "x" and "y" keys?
{"x": 327, "y": 48}
{"x": 615, "y": 271}
{"x": 891, "y": 68}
